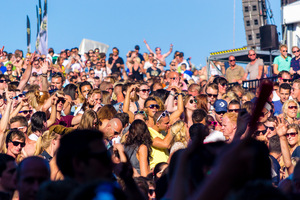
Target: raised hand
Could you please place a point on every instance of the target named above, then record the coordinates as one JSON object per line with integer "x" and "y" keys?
{"x": 281, "y": 127}
{"x": 45, "y": 66}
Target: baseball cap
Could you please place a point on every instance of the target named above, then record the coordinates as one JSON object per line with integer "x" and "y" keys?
{"x": 137, "y": 47}
{"x": 220, "y": 105}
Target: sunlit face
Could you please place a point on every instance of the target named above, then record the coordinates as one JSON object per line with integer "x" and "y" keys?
{"x": 292, "y": 110}
{"x": 151, "y": 110}
{"x": 283, "y": 51}
{"x": 269, "y": 126}
{"x": 85, "y": 90}
{"x": 15, "y": 150}
{"x": 295, "y": 93}
{"x": 164, "y": 123}
{"x": 191, "y": 104}
{"x": 292, "y": 136}
{"x": 228, "y": 129}
{"x": 57, "y": 82}
{"x": 212, "y": 95}
{"x": 284, "y": 94}
{"x": 144, "y": 92}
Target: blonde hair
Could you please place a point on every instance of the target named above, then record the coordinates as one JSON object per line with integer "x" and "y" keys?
{"x": 44, "y": 141}
{"x": 286, "y": 104}
{"x": 297, "y": 128}
{"x": 249, "y": 95}
{"x": 178, "y": 129}
{"x": 229, "y": 96}
{"x": 87, "y": 120}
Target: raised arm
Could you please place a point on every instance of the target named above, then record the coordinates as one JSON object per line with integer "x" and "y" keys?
{"x": 5, "y": 119}
{"x": 163, "y": 143}
{"x": 180, "y": 108}
{"x": 52, "y": 118}
{"x": 148, "y": 47}
{"x": 45, "y": 66}
{"x": 169, "y": 52}
{"x": 127, "y": 103}
{"x": 26, "y": 75}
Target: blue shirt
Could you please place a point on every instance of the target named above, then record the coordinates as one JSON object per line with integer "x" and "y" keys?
{"x": 277, "y": 107}
{"x": 295, "y": 64}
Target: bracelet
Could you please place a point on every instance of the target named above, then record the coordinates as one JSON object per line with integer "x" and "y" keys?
{"x": 172, "y": 94}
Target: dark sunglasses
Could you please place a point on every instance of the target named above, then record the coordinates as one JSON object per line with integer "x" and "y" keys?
{"x": 296, "y": 51}
{"x": 284, "y": 50}
{"x": 221, "y": 112}
{"x": 164, "y": 114}
{"x": 192, "y": 101}
{"x": 293, "y": 134}
{"x": 174, "y": 78}
{"x": 223, "y": 84}
{"x": 60, "y": 99}
{"x": 18, "y": 96}
{"x": 15, "y": 143}
{"x": 152, "y": 106}
{"x": 285, "y": 80}
{"x": 271, "y": 128}
{"x": 292, "y": 107}
{"x": 257, "y": 133}
{"x": 145, "y": 90}
{"x": 214, "y": 123}
{"x": 26, "y": 112}
{"x": 1, "y": 81}
{"x": 231, "y": 60}
{"x": 212, "y": 95}
{"x": 234, "y": 110}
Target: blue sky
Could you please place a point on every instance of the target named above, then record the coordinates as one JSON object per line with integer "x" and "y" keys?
{"x": 196, "y": 27}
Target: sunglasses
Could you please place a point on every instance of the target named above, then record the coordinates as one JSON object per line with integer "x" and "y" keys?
{"x": 26, "y": 112}
{"x": 271, "y": 128}
{"x": 212, "y": 95}
{"x": 257, "y": 133}
{"x": 152, "y": 106}
{"x": 296, "y": 51}
{"x": 214, "y": 123}
{"x": 192, "y": 101}
{"x": 145, "y": 90}
{"x": 231, "y": 60}
{"x": 234, "y": 110}
{"x": 61, "y": 99}
{"x": 252, "y": 54}
{"x": 221, "y": 112}
{"x": 15, "y": 143}
{"x": 164, "y": 114}
{"x": 140, "y": 112}
{"x": 263, "y": 113}
{"x": 174, "y": 78}
{"x": 285, "y": 80}
{"x": 284, "y": 50}
{"x": 292, "y": 107}
{"x": 1, "y": 81}
{"x": 223, "y": 84}
{"x": 293, "y": 134}
{"x": 18, "y": 96}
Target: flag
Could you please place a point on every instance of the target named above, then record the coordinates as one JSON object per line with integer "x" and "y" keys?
{"x": 37, "y": 29}
{"x": 28, "y": 34}
{"x": 40, "y": 11}
{"x": 43, "y": 36}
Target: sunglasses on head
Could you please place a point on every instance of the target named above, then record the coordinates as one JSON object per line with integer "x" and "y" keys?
{"x": 15, "y": 143}
{"x": 18, "y": 96}
{"x": 140, "y": 112}
{"x": 212, "y": 95}
{"x": 164, "y": 114}
{"x": 257, "y": 133}
{"x": 152, "y": 106}
{"x": 26, "y": 112}
{"x": 292, "y": 107}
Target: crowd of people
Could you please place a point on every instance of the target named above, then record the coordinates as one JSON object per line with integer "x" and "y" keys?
{"x": 92, "y": 126}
